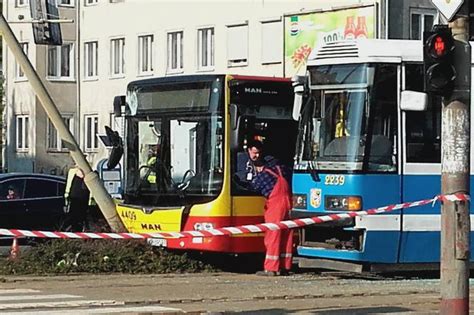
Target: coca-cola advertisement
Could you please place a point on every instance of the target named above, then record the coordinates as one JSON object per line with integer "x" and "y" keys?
{"x": 305, "y": 32}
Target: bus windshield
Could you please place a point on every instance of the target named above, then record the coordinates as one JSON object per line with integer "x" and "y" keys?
{"x": 175, "y": 150}
{"x": 349, "y": 122}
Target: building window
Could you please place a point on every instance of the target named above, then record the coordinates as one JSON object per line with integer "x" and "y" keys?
{"x": 237, "y": 45}
{"x": 90, "y": 57}
{"x": 206, "y": 48}
{"x": 91, "y": 2}
{"x": 145, "y": 54}
{"x": 54, "y": 142}
{"x": 19, "y": 72}
{"x": 21, "y": 3}
{"x": 175, "y": 52}
{"x": 420, "y": 21}
{"x": 117, "y": 124}
{"x": 272, "y": 42}
{"x": 22, "y": 143}
{"x": 61, "y": 62}
{"x": 92, "y": 127}
{"x": 66, "y": 3}
{"x": 117, "y": 60}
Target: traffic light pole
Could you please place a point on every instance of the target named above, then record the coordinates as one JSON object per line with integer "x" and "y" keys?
{"x": 455, "y": 175}
{"x": 97, "y": 189}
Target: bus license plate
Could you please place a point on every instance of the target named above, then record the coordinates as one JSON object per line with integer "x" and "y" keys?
{"x": 159, "y": 242}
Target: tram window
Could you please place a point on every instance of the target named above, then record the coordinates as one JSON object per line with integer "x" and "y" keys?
{"x": 384, "y": 120}
{"x": 423, "y": 129}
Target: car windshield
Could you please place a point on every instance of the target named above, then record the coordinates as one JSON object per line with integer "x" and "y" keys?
{"x": 348, "y": 124}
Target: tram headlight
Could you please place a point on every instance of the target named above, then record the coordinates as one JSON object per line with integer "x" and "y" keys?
{"x": 203, "y": 226}
{"x": 345, "y": 203}
{"x": 299, "y": 201}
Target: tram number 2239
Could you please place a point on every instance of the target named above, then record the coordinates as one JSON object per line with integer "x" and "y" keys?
{"x": 335, "y": 180}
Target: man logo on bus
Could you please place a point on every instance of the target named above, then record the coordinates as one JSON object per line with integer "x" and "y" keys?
{"x": 315, "y": 197}
{"x": 253, "y": 90}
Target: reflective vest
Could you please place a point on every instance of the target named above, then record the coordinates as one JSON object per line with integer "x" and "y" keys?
{"x": 152, "y": 176}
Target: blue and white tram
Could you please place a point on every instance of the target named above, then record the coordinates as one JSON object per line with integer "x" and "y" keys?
{"x": 357, "y": 149}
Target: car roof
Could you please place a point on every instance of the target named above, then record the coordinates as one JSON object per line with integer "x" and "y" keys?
{"x": 4, "y": 176}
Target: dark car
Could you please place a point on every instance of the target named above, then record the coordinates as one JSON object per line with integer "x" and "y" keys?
{"x": 31, "y": 201}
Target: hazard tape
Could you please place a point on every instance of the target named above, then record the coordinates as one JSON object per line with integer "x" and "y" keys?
{"x": 243, "y": 229}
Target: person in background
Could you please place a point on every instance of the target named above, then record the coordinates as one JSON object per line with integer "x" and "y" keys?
{"x": 77, "y": 198}
{"x": 245, "y": 167}
{"x": 245, "y": 162}
{"x": 11, "y": 194}
{"x": 151, "y": 162}
{"x": 273, "y": 182}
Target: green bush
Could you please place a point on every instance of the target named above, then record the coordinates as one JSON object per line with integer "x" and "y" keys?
{"x": 100, "y": 256}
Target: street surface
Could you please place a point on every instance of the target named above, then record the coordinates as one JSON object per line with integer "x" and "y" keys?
{"x": 218, "y": 292}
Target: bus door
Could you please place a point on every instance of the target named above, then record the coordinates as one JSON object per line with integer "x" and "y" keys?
{"x": 420, "y": 239}
{"x": 266, "y": 117}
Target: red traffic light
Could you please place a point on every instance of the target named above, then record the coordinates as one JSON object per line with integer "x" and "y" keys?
{"x": 438, "y": 60}
{"x": 440, "y": 44}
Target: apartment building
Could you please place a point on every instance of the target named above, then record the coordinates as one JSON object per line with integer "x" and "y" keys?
{"x": 113, "y": 42}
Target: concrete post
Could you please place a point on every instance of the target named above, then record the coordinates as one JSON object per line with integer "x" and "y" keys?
{"x": 455, "y": 176}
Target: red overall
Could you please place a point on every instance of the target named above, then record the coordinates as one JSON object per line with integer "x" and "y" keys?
{"x": 279, "y": 244}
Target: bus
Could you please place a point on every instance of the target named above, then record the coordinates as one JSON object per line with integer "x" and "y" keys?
{"x": 184, "y": 140}
{"x": 360, "y": 146}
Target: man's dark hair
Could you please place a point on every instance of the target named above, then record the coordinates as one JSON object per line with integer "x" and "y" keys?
{"x": 255, "y": 144}
{"x": 259, "y": 162}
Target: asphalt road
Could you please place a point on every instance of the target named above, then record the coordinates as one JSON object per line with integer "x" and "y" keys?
{"x": 226, "y": 292}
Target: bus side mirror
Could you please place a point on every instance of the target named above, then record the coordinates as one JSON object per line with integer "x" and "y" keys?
{"x": 234, "y": 124}
{"x": 117, "y": 147}
{"x": 413, "y": 101}
{"x": 119, "y": 101}
{"x": 298, "y": 87}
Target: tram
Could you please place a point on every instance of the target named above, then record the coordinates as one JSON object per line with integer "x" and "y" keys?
{"x": 362, "y": 145}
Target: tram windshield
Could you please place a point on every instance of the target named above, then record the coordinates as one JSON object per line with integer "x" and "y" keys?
{"x": 175, "y": 144}
{"x": 350, "y": 120}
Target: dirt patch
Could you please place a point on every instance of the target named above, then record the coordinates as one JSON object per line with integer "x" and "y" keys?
{"x": 100, "y": 256}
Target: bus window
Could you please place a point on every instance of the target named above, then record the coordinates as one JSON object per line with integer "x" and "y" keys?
{"x": 423, "y": 129}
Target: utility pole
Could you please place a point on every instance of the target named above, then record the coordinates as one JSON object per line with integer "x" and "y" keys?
{"x": 455, "y": 175}
{"x": 92, "y": 180}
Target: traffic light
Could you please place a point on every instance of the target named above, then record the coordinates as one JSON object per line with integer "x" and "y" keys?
{"x": 438, "y": 59}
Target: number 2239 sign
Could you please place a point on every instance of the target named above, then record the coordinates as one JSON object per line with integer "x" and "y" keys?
{"x": 335, "y": 180}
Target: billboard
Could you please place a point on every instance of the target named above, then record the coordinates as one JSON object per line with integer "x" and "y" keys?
{"x": 305, "y": 32}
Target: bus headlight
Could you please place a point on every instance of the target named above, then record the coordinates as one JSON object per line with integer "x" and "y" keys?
{"x": 345, "y": 203}
{"x": 299, "y": 201}
{"x": 203, "y": 226}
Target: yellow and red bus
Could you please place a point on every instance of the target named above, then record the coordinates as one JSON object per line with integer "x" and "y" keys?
{"x": 185, "y": 144}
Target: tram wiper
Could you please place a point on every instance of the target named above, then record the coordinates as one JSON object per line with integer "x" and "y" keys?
{"x": 313, "y": 171}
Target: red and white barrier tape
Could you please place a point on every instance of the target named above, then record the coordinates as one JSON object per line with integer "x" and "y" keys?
{"x": 243, "y": 229}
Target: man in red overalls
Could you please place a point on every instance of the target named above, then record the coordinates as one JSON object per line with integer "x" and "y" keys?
{"x": 273, "y": 183}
